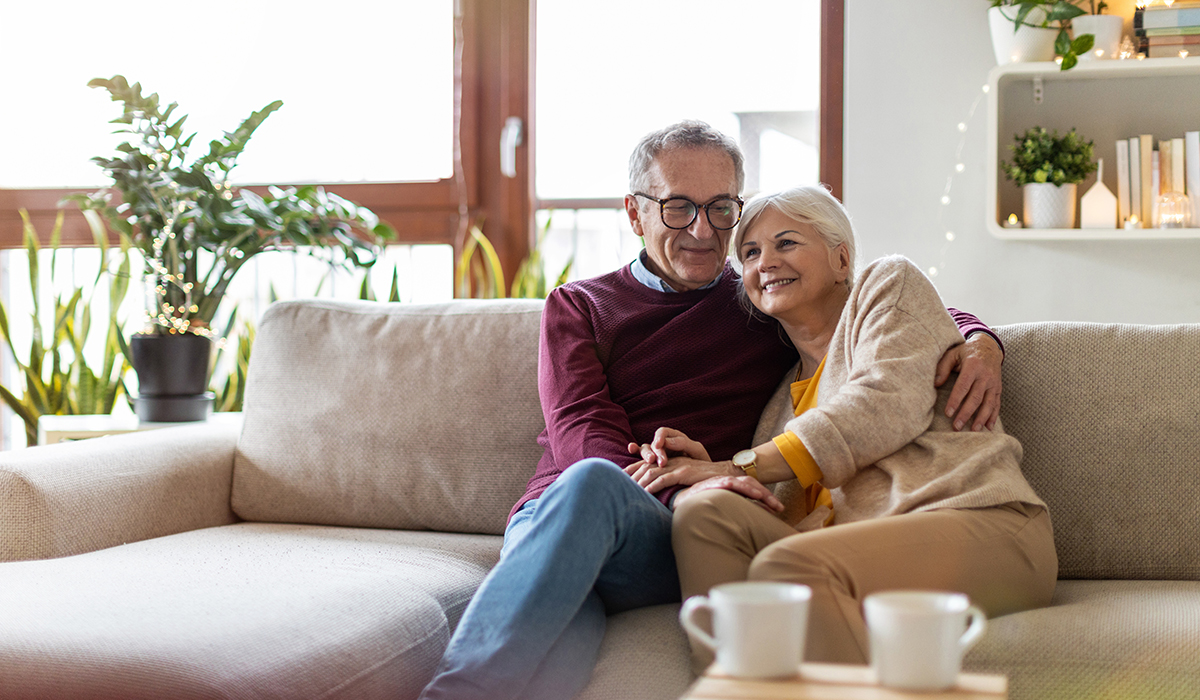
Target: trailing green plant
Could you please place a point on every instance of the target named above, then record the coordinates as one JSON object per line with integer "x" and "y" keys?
{"x": 1042, "y": 156}
{"x": 195, "y": 229}
{"x": 1045, "y": 14}
{"x": 55, "y": 376}
{"x": 479, "y": 272}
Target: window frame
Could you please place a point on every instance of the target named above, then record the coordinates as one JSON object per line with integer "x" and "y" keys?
{"x": 496, "y": 82}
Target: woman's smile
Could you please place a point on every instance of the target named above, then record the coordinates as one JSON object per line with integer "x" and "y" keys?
{"x": 777, "y": 283}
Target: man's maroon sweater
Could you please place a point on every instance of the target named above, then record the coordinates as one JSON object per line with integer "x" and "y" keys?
{"x": 618, "y": 360}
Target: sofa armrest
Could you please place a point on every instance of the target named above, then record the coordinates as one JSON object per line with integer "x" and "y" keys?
{"x": 76, "y": 497}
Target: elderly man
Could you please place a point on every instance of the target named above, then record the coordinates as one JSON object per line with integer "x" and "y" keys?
{"x": 663, "y": 341}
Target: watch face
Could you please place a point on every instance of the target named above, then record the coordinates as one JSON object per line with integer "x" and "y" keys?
{"x": 745, "y": 458}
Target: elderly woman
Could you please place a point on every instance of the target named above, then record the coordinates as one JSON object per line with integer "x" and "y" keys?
{"x": 882, "y": 492}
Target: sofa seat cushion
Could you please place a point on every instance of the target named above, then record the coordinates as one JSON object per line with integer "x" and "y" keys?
{"x": 644, "y": 656}
{"x": 1100, "y": 640}
{"x": 240, "y": 611}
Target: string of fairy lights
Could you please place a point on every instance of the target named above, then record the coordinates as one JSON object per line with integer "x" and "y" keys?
{"x": 959, "y": 167}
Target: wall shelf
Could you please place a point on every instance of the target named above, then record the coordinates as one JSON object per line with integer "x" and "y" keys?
{"x": 1103, "y": 101}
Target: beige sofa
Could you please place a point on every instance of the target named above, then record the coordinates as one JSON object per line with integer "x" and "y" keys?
{"x": 328, "y": 548}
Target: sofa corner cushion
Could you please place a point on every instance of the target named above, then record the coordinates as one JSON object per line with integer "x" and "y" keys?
{"x": 1099, "y": 639}
{"x": 1107, "y": 417}
{"x": 246, "y": 610}
{"x": 391, "y": 415}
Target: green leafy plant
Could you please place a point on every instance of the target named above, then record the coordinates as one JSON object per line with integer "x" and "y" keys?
{"x": 56, "y": 377}
{"x": 195, "y": 229}
{"x": 231, "y": 392}
{"x": 479, "y": 272}
{"x": 1045, "y": 14}
{"x": 1042, "y": 156}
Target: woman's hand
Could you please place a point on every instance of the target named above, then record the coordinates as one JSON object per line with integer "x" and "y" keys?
{"x": 679, "y": 470}
{"x": 745, "y": 485}
{"x": 668, "y": 439}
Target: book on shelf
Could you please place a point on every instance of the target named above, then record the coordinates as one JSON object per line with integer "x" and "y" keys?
{"x": 1177, "y": 40}
{"x": 1135, "y": 179}
{"x": 1192, "y": 181}
{"x": 1177, "y": 166}
{"x": 1166, "y": 167}
{"x": 1123, "y": 210}
{"x": 1173, "y": 51}
{"x": 1168, "y": 31}
{"x": 1155, "y": 187}
{"x": 1146, "y": 149}
{"x": 1166, "y": 17}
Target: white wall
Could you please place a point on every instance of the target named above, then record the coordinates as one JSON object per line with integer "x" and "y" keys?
{"x": 912, "y": 72}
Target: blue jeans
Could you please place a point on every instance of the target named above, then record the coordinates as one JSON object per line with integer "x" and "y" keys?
{"x": 595, "y": 543}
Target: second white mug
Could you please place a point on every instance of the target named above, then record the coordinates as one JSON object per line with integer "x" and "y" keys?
{"x": 918, "y": 638}
{"x": 758, "y": 626}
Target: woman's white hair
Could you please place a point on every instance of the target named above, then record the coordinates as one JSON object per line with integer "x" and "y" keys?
{"x": 809, "y": 204}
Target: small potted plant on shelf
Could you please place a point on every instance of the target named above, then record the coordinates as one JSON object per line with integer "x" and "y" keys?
{"x": 196, "y": 230}
{"x": 1048, "y": 167}
{"x": 1106, "y": 30}
{"x": 1036, "y": 30}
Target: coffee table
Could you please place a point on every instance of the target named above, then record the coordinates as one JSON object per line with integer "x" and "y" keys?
{"x": 836, "y": 682}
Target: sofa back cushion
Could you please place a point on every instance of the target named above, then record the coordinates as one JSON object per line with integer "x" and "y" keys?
{"x": 1110, "y": 421}
{"x": 390, "y": 415}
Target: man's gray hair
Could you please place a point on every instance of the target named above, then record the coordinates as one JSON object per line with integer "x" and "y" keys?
{"x": 689, "y": 133}
{"x": 809, "y": 204}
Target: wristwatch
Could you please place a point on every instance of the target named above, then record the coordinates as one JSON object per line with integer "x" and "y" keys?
{"x": 747, "y": 461}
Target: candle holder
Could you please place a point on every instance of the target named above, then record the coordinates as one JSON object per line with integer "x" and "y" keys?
{"x": 1174, "y": 210}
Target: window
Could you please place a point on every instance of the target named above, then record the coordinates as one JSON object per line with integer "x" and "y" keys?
{"x": 338, "y": 122}
{"x": 751, "y": 70}
{"x": 359, "y": 70}
{"x": 755, "y": 71}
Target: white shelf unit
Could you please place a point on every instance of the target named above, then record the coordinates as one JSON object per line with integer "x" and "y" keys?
{"x": 1103, "y": 101}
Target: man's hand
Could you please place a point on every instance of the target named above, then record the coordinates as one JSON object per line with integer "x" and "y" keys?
{"x": 975, "y": 398}
{"x": 745, "y": 485}
{"x": 668, "y": 439}
{"x": 678, "y": 470}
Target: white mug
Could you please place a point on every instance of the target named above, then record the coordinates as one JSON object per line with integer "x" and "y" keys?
{"x": 918, "y": 638}
{"x": 758, "y": 626}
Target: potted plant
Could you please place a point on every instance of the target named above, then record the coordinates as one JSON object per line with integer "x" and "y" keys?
{"x": 1035, "y": 30}
{"x": 196, "y": 231}
{"x": 1106, "y": 29}
{"x": 1048, "y": 167}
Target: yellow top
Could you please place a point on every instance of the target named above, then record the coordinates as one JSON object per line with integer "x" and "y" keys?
{"x": 804, "y": 397}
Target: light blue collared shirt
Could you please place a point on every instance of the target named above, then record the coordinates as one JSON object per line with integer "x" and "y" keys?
{"x": 653, "y": 281}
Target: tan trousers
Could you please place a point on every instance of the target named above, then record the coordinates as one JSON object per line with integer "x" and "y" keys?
{"x": 1003, "y": 558}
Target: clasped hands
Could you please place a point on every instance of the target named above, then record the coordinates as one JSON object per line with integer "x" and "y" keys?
{"x": 672, "y": 458}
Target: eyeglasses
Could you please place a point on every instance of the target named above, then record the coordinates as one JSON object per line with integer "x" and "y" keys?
{"x": 679, "y": 212}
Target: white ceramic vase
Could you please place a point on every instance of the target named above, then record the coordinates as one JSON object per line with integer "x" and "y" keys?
{"x": 1027, "y": 43}
{"x": 1049, "y": 206}
{"x": 1106, "y": 29}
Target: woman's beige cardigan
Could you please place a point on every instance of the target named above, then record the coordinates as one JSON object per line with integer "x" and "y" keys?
{"x": 879, "y": 430}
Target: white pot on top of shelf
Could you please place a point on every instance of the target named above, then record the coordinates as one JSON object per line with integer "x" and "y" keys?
{"x": 1048, "y": 205}
{"x": 1024, "y": 45}
{"x": 1107, "y": 31}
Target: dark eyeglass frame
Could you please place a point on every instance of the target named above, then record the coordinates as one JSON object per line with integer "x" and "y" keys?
{"x": 662, "y": 211}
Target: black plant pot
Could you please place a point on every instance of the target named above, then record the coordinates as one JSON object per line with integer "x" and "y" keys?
{"x": 172, "y": 377}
